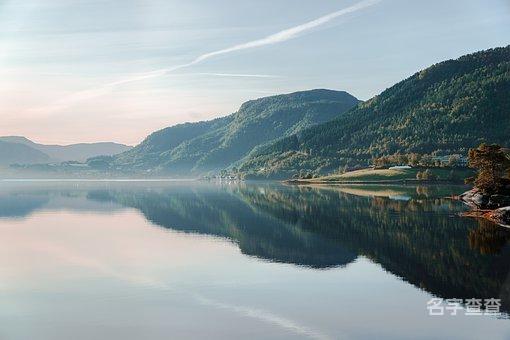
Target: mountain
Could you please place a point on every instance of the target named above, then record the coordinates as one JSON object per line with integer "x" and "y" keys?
{"x": 73, "y": 152}
{"x": 445, "y": 109}
{"x": 150, "y": 153}
{"x": 14, "y": 153}
{"x": 195, "y": 148}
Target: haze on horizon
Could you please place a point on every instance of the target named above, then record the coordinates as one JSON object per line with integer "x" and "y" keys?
{"x": 85, "y": 71}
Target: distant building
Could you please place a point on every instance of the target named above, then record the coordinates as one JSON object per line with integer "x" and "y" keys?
{"x": 400, "y": 167}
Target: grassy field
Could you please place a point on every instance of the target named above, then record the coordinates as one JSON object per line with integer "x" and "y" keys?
{"x": 394, "y": 175}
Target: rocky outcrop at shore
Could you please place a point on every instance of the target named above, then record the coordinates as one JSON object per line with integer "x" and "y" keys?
{"x": 495, "y": 208}
{"x": 478, "y": 200}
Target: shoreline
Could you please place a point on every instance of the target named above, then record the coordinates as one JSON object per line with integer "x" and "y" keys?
{"x": 494, "y": 208}
{"x": 396, "y": 181}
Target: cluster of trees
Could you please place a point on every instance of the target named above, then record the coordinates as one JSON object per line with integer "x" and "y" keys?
{"x": 443, "y": 110}
{"x": 493, "y": 165}
{"x": 416, "y": 159}
{"x": 426, "y": 175}
{"x": 100, "y": 162}
{"x": 304, "y": 175}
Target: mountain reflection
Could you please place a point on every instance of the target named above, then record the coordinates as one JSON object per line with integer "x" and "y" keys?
{"x": 226, "y": 213}
{"x": 420, "y": 238}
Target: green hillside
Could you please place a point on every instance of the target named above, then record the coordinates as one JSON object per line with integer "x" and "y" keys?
{"x": 195, "y": 148}
{"x": 150, "y": 153}
{"x": 444, "y": 109}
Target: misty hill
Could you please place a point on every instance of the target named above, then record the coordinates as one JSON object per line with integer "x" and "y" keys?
{"x": 73, "y": 152}
{"x": 14, "y": 153}
{"x": 444, "y": 109}
{"x": 216, "y": 144}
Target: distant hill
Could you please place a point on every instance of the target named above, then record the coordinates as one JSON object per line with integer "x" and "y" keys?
{"x": 195, "y": 148}
{"x": 73, "y": 152}
{"x": 444, "y": 109}
{"x": 14, "y": 153}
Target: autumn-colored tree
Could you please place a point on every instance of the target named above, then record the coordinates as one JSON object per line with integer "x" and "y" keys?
{"x": 491, "y": 163}
{"x": 414, "y": 159}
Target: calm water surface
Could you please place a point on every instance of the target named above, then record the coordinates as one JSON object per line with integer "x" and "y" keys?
{"x": 86, "y": 260}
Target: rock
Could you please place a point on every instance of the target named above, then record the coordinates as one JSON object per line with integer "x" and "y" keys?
{"x": 478, "y": 200}
{"x": 501, "y": 216}
{"x": 475, "y": 199}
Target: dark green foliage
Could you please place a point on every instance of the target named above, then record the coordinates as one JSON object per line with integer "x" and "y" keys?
{"x": 445, "y": 109}
{"x": 213, "y": 145}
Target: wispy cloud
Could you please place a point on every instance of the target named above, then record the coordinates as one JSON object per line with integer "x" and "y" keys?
{"x": 272, "y": 39}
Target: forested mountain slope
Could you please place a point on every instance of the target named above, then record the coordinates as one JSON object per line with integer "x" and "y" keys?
{"x": 444, "y": 109}
{"x": 196, "y": 148}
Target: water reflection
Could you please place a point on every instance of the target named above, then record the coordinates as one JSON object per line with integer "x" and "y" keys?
{"x": 420, "y": 239}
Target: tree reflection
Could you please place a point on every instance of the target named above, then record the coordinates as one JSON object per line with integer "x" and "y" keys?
{"x": 488, "y": 238}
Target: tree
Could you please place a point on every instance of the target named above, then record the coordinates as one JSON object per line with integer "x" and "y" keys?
{"x": 429, "y": 176}
{"x": 419, "y": 175}
{"x": 491, "y": 163}
{"x": 426, "y": 175}
{"x": 414, "y": 159}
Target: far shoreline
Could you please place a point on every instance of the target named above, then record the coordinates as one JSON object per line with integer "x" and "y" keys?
{"x": 399, "y": 181}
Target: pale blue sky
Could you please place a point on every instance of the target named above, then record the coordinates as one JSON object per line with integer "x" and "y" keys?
{"x": 95, "y": 70}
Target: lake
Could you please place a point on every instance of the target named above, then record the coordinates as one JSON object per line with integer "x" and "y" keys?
{"x": 175, "y": 260}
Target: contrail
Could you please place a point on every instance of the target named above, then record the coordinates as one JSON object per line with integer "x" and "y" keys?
{"x": 289, "y": 33}
{"x": 281, "y": 36}
{"x": 272, "y": 39}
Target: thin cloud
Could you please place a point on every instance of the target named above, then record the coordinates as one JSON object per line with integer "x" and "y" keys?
{"x": 272, "y": 39}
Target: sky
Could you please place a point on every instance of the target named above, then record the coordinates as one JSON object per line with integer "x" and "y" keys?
{"x": 117, "y": 70}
